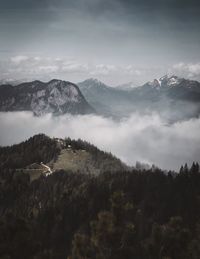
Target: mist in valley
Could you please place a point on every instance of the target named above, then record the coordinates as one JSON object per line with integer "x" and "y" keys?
{"x": 146, "y": 138}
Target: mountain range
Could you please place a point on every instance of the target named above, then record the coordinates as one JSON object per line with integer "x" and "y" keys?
{"x": 172, "y": 97}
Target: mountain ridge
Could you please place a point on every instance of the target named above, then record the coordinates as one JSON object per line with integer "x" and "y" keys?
{"x": 41, "y": 154}
{"x": 56, "y": 96}
{"x": 172, "y": 97}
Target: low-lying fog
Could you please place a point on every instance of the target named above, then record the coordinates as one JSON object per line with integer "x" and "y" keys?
{"x": 137, "y": 138}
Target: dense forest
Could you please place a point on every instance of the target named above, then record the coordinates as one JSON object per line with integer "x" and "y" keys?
{"x": 143, "y": 214}
{"x": 36, "y": 149}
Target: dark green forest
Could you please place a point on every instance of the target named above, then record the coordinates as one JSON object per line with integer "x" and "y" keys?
{"x": 143, "y": 214}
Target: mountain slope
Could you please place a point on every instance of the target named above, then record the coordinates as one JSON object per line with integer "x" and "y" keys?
{"x": 172, "y": 97}
{"x": 57, "y": 154}
{"x": 174, "y": 88}
{"x": 56, "y": 97}
{"x": 105, "y": 99}
{"x": 126, "y": 87}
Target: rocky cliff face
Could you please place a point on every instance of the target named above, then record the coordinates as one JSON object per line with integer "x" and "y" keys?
{"x": 56, "y": 97}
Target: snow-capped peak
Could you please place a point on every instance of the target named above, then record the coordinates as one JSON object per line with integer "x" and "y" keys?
{"x": 165, "y": 81}
{"x": 165, "y": 77}
{"x": 156, "y": 83}
{"x": 170, "y": 80}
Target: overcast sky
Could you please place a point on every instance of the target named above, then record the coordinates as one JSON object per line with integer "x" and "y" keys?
{"x": 115, "y": 41}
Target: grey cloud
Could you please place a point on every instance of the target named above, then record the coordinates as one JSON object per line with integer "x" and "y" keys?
{"x": 45, "y": 68}
{"x": 188, "y": 70}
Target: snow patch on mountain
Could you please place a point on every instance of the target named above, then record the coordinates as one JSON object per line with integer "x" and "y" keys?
{"x": 165, "y": 82}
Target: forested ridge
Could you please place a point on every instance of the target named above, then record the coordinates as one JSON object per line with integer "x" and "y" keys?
{"x": 36, "y": 149}
{"x": 143, "y": 214}
{"x": 41, "y": 148}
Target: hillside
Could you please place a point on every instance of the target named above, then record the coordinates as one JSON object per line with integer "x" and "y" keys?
{"x": 116, "y": 215}
{"x": 58, "y": 154}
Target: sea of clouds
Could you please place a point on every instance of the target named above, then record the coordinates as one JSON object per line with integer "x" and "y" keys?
{"x": 146, "y": 138}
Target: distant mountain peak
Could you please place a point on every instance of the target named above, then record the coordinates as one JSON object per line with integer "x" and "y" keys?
{"x": 95, "y": 80}
{"x": 92, "y": 83}
{"x": 170, "y": 80}
{"x": 165, "y": 81}
{"x": 160, "y": 95}
{"x": 57, "y": 81}
{"x": 165, "y": 77}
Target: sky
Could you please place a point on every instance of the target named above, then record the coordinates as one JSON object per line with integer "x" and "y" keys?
{"x": 116, "y": 41}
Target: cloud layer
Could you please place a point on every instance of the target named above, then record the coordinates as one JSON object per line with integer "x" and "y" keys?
{"x": 137, "y": 138}
{"x": 46, "y": 68}
{"x": 188, "y": 70}
{"x": 26, "y": 67}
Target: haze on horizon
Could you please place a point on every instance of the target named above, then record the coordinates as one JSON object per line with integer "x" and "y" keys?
{"x": 115, "y": 41}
